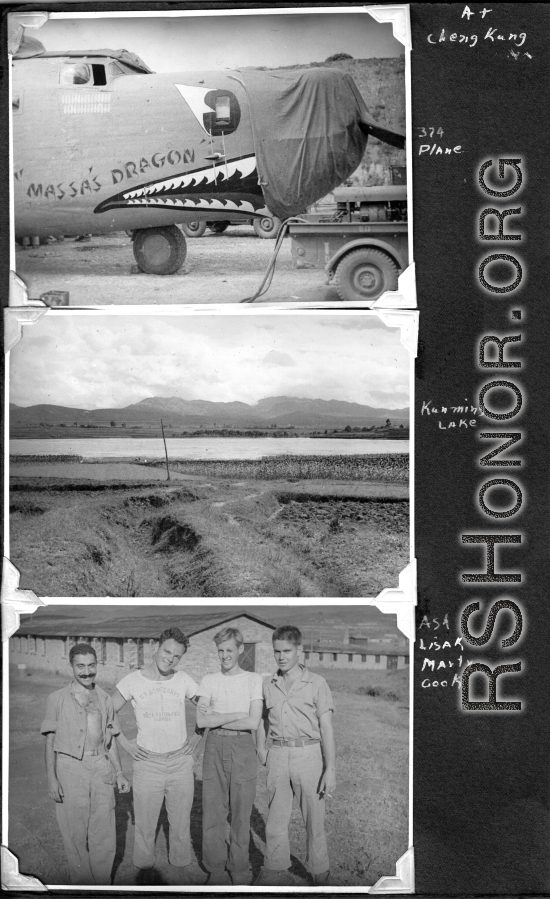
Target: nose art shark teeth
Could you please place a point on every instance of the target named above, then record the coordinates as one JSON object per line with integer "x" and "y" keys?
{"x": 210, "y": 187}
{"x": 200, "y": 178}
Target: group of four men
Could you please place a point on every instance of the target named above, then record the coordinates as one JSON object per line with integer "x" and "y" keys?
{"x": 244, "y": 712}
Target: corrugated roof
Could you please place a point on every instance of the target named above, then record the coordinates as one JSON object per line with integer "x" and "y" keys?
{"x": 148, "y": 627}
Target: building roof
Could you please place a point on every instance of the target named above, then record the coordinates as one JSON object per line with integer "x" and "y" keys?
{"x": 147, "y": 627}
{"x": 356, "y": 649}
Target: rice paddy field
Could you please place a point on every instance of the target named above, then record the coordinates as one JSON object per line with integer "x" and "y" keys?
{"x": 279, "y": 527}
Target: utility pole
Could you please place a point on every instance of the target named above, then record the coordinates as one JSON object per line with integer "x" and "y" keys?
{"x": 165, "y": 451}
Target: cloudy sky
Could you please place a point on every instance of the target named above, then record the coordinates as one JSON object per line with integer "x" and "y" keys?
{"x": 94, "y": 361}
{"x": 226, "y": 41}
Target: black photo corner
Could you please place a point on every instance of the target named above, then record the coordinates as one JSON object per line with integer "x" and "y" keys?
{"x": 480, "y": 87}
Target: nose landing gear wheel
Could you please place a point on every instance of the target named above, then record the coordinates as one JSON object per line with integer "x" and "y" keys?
{"x": 365, "y": 274}
{"x": 267, "y": 227}
{"x": 193, "y": 229}
{"x": 159, "y": 251}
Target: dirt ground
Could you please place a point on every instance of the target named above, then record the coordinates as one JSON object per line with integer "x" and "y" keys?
{"x": 367, "y": 819}
{"x": 96, "y": 471}
{"x": 219, "y": 268}
{"x": 204, "y": 536}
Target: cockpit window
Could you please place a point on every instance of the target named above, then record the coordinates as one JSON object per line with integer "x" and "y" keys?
{"x": 99, "y": 73}
{"x": 83, "y": 73}
{"x": 76, "y": 74}
{"x": 225, "y": 115}
{"x": 115, "y": 70}
{"x": 223, "y": 110}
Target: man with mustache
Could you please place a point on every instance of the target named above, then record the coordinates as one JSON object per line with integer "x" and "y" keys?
{"x": 163, "y": 756}
{"x": 82, "y": 764}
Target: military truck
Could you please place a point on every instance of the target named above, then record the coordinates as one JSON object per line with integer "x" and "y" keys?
{"x": 361, "y": 240}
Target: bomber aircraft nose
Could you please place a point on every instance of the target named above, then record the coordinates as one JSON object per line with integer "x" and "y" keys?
{"x": 308, "y": 133}
{"x": 206, "y": 147}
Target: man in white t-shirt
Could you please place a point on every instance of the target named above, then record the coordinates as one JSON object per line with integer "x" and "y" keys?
{"x": 230, "y": 704}
{"x": 163, "y": 755}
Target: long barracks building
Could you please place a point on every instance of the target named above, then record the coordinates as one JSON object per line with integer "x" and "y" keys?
{"x": 124, "y": 644}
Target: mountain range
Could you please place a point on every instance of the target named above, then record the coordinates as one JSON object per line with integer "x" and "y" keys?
{"x": 282, "y": 411}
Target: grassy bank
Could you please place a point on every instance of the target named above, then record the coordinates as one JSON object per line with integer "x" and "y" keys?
{"x": 378, "y": 467}
{"x": 212, "y": 537}
{"x": 22, "y": 459}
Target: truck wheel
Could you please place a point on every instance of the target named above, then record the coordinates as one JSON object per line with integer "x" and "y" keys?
{"x": 365, "y": 274}
{"x": 159, "y": 251}
{"x": 193, "y": 229}
{"x": 218, "y": 227}
{"x": 267, "y": 227}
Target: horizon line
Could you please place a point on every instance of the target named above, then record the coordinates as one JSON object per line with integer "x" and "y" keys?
{"x": 200, "y": 400}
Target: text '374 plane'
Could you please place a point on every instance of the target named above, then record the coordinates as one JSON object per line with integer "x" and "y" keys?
{"x": 101, "y": 144}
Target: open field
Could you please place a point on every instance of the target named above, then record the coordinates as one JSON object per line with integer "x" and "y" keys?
{"x": 103, "y": 472}
{"x": 387, "y": 467}
{"x": 381, "y": 467}
{"x": 200, "y": 535}
{"x": 367, "y": 818}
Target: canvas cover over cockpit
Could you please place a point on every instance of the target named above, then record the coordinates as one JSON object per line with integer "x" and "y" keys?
{"x": 310, "y": 129}
{"x": 30, "y": 48}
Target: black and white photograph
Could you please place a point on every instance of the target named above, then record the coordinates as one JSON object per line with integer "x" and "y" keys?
{"x": 218, "y": 158}
{"x": 201, "y": 723}
{"x": 211, "y": 455}
{"x": 275, "y": 561}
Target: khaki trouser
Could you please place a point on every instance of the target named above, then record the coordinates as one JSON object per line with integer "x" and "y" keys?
{"x": 295, "y": 771}
{"x": 86, "y": 817}
{"x": 229, "y": 773}
{"x": 161, "y": 776}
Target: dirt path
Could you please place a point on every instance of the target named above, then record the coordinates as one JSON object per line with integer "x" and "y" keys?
{"x": 222, "y": 268}
{"x": 210, "y": 538}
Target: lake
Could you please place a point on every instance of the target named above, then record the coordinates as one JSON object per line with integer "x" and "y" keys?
{"x": 205, "y": 447}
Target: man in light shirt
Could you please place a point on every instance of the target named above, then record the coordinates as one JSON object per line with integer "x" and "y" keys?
{"x": 301, "y": 760}
{"x": 163, "y": 755}
{"x": 230, "y": 704}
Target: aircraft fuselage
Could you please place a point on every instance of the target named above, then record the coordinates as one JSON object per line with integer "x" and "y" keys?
{"x": 136, "y": 151}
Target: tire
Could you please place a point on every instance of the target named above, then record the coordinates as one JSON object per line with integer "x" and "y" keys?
{"x": 193, "y": 229}
{"x": 159, "y": 251}
{"x": 267, "y": 227}
{"x": 365, "y": 274}
{"x": 218, "y": 227}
